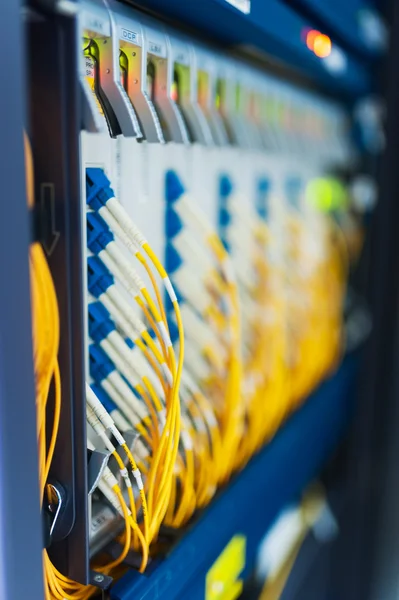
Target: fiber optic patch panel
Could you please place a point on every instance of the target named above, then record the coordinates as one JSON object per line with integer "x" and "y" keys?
{"x": 214, "y": 236}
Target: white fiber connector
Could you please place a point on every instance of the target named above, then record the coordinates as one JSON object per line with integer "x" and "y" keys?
{"x": 141, "y": 452}
{"x": 123, "y": 264}
{"x": 115, "y": 227}
{"x": 242, "y": 210}
{"x": 196, "y": 364}
{"x": 118, "y": 390}
{"x": 190, "y": 384}
{"x": 98, "y": 408}
{"x": 103, "y": 415}
{"x": 186, "y": 440}
{"x": 146, "y": 370}
{"x": 193, "y": 252}
{"x": 228, "y": 270}
{"x": 119, "y": 361}
{"x": 191, "y": 216}
{"x": 117, "y": 272}
{"x": 122, "y": 424}
{"x": 198, "y": 331}
{"x": 99, "y": 428}
{"x": 105, "y": 485}
{"x": 121, "y": 311}
{"x": 127, "y": 328}
{"x": 194, "y": 290}
{"x": 133, "y": 232}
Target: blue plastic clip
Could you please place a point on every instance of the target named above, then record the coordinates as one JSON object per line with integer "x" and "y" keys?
{"x": 99, "y": 278}
{"x": 99, "y": 234}
{"x": 174, "y": 188}
{"x": 102, "y": 395}
{"x": 173, "y": 260}
{"x": 100, "y": 325}
{"x": 99, "y": 363}
{"x": 98, "y": 188}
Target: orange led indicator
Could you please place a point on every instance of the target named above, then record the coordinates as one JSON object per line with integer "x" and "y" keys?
{"x": 319, "y": 43}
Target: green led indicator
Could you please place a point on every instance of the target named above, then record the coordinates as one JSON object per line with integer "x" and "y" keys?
{"x": 326, "y": 194}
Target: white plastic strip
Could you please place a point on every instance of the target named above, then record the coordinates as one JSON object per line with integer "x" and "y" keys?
{"x": 138, "y": 478}
{"x": 164, "y": 334}
{"x": 169, "y": 289}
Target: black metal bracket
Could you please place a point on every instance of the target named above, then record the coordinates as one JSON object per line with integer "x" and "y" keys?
{"x": 102, "y": 582}
{"x": 133, "y": 559}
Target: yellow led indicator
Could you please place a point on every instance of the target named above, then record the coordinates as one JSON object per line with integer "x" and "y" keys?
{"x": 222, "y": 579}
{"x": 202, "y": 88}
{"x": 123, "y": 66}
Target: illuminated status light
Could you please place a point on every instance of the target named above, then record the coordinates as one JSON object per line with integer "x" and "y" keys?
{"x": 174, "y": 92}
{"x": 326, "y": 194}
{"x": 318, "y": 43}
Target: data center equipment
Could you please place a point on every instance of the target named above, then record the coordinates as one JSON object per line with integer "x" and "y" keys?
{"x": 196, "y": 221}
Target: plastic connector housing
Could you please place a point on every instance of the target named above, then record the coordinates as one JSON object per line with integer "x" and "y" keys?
{"x": 102, "y": 395}
{"x": 98, "y": 188}
{"x": 99, "y": 234}
{"x": 99, "y": 279}
{"x": 99, "y": 363}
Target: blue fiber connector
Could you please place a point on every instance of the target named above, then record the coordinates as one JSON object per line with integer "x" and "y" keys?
{"x": 129, "y": 342}
{"x": 105, "y": 400}
{"x": 98, "y": 188}
{"x": 99, "y": 364}
{"x": 100, "y": 326}
{"x": 99, "y": 278}
{"x": 99, "y": 234}
{"x": 173, "y": 223}
{"x": 262, "y": 197}
{"x": 173, "y": 260}
{"x": 174, "y": 188}
{"x": 225, "y": 189}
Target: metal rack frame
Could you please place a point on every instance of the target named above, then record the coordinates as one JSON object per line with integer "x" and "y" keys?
{"x": 20, "y": 524}
{"x": 55, "y": 124}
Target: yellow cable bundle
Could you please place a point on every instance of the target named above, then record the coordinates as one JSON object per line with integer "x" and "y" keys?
{"x": 45, "y": 350}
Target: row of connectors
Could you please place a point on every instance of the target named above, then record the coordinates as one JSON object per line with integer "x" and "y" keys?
{"x": 148, "y": 81}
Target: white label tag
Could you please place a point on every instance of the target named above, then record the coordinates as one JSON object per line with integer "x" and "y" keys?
{"x": 156, "y": 48}
{"x": 243, "y": 5}
{"x": 129, "y": 36}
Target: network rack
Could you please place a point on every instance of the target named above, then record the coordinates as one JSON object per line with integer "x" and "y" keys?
{"x": 61, "y": 103}
{"x": 183, "y": 573}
